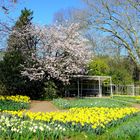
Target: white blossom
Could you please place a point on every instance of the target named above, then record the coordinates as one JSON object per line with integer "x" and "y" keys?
{"x": 61, "y": 52}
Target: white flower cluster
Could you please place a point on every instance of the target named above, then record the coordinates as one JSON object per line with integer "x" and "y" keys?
{"x": 61, "y": 52}
{"x": 13, "y": 124}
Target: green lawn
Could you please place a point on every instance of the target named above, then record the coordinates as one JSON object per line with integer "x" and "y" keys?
{"x": 132, "y": 99}
{"x": 89, "y": 102}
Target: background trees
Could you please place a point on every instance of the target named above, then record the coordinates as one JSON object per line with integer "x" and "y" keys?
{"x": 112, "y": 27}
{"x": 6, "y": 7}
{"x": 120, "y": 21}
{"x": 44, "y": 56}
{"x": 120, "y": 70}
{"x": 99, "y": 66}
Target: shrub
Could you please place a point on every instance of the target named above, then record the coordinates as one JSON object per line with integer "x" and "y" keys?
{"x": 50, "y": 90}
{"x": 3, "y": 90}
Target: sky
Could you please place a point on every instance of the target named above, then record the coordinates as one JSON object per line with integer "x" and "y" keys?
{"x": 45, "y": 9}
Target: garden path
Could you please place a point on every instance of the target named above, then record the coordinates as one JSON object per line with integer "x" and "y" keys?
{"x": 42, "y": 106}
{"x": 47, "y": 106}
{"x": 136, "y": 106}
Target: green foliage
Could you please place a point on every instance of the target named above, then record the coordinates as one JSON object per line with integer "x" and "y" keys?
{"x": 50, "y": 90}
{"x": 3, "y": 90}
{"x": 12, "y": 105}
{"x": 128, "y": 130}
{"x": 119, "y": 69}
{"x": 10, "y": 71}
{"x": 98, "y": 66}
{"x": 94, "y": 102}
{"x": 12, "y": 80}
{"x": 25, "y": 18}
{"x": 121, "y": 76}
{"x": 1, "y": 55}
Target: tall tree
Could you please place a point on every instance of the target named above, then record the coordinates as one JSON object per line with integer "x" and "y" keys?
{"x": 20, "y": 48}
{"x": 70, "y": 15}
{"x": 120, "y": 21}
{"x": 21, "y": 38}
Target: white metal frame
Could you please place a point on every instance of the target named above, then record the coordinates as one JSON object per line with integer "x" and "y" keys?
{"x": 100, "y": 80}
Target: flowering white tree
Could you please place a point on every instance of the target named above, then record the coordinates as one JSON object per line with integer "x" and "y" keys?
{"x": 61, "y": 52}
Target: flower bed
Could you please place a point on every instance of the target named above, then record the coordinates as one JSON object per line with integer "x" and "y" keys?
{"x": 13, "y": 127}
{"x": 17, "y": 102}
{"x": 88, "y": 119}
{"x": 23, "y": 124}
{"x": 17, "y": 98}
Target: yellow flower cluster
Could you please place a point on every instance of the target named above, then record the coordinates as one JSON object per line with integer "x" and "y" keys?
{"x": 96, "y": 117}
{"x": 137, "y": 97}
{"x": 17, "y": 98}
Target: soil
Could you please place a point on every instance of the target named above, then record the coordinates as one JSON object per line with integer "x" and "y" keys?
{"x": 42, "y": 106}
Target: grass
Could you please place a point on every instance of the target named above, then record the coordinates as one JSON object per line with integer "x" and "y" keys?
{"x": 132, "y": 99}
{"x": 89, "y": 102}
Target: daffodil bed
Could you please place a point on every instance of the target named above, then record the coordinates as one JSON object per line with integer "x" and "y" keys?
{"x": 23, "y": 124}
{"x": 59, "y": 124}
{"x": 128, "y": 98}
{"x": 129, "y": 130}
{"x": 89, "y": 102}
{"x": 17, "y": 102}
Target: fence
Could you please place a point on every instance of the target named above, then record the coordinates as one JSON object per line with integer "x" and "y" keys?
{"x": 126, "y": 90}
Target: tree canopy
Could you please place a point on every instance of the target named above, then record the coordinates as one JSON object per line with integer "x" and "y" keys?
{"x": 119, "y": 20}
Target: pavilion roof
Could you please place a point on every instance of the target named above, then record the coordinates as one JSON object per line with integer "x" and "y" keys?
{"x": 89, "y": 77}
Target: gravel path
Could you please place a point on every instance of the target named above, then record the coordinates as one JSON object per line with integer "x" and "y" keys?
{"x": 42, "y": 106}
{"x": 136, "y": 106}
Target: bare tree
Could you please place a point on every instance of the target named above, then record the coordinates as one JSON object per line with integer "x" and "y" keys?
{"x": 70, "y": 15}
{"x": 118, "y": 19}
{"x": 6, "y": 7}
{"x": 102, "y": 46}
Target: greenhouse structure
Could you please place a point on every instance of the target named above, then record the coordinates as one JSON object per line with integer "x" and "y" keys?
{"x": 84, "y": 85}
